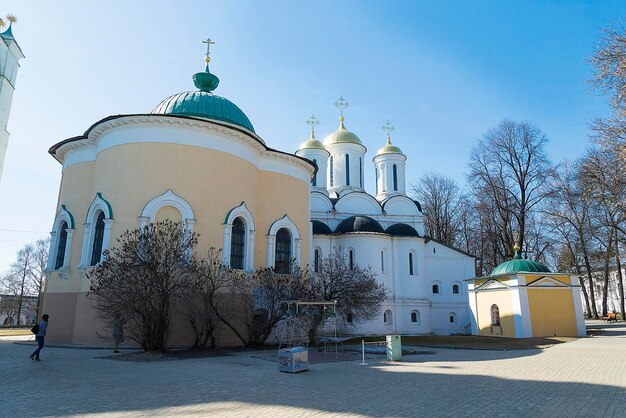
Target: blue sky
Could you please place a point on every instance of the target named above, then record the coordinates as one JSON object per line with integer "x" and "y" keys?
{"x": 443, "y": 73}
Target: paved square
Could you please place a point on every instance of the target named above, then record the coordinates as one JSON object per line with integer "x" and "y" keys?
{"x": 582, "y": 378}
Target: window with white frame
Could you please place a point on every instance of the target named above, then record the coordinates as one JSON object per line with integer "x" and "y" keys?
{"x": 456, "y": 288}
{"x": 97, "y": 231}
{"x": 61, "y": 246}
{"x": 283, "y": 251}
{"x": 436, "y": 287}
{"x": 411, "y": 266}
{"x": 238, "y": 243}
{"x": 452, "y": 318}
{"x": 415, "y": 317}
{"x": 61, "y": 240}
{"x": 388, "y": 317}
{"x": 283, "y": 245}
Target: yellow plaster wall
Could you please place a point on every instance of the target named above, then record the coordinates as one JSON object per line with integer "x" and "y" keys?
{"x": 552, "y": 312}
{"x": 168, "y": 212}
{"x": 76, "y": 194}
{"x": 502, "y": 298}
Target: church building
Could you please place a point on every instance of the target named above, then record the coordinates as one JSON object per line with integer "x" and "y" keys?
{"x": 10, "y": 54}
{"x": 126, "y": 171}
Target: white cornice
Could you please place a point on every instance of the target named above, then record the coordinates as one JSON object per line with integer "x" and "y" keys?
{"x": 249, "y": 139}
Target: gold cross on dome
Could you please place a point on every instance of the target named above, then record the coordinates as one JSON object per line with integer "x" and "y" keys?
{"x": 208, "y": 43}
{"x": 313, "y": 122}
{"x": 341, "y": 104}
{"x": 388, "y": 127}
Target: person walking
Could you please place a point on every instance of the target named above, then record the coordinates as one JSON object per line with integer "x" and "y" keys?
{"x": 118, "y": 332}
{"x": 40, "y": 337}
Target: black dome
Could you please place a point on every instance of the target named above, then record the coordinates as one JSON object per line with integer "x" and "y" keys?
{"x": 359, "y": 224}
{"x": 402, "y": 230}
{"x": 320, "y": 227}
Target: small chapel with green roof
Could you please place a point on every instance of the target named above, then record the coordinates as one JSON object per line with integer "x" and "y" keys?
{"x": 521, "y": 298}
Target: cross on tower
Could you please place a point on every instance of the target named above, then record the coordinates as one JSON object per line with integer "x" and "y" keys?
{"x": 388, "y": 127}
{"x": 341, "y": 104}
{"x": 313, "y": 122}
{"x": 208, "y": 43}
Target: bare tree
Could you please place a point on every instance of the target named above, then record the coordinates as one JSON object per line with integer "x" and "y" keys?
{"x": 141, "y": 279}
{"x": 38, "y": 271}
{"x": 511, "y": 167}
{"x": 609, "y": 66}
{"x": 440, "y": 198}
{"x": 569, "y": 205}
{"x": 355, "y": 289}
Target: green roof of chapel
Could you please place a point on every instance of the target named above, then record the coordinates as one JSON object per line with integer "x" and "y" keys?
{"x": 519, "y": 265}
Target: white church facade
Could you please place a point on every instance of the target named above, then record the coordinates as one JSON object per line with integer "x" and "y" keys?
{"x": 128, "y": 170}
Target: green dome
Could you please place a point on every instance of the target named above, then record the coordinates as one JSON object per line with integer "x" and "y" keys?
{"x": 342, "y": 135}
{"x": 204, "y": 104}
{"x": 519, "y": 265}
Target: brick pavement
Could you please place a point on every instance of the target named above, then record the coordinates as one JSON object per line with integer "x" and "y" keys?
{"x": 582, "y": 378}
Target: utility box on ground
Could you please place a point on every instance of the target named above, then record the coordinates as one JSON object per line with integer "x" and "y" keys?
{"x": 293, "y": 360}
{"x": 394, "y": 348}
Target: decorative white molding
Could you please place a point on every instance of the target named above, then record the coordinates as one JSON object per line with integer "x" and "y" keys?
{"x": 243, "y": 212}
{"x": 253, "y": 150}
{"x": 99, "y": 204}
{"x": 169, "y": 198}
{"x": 288, "y": 224}
{"x": 63, "y": 215}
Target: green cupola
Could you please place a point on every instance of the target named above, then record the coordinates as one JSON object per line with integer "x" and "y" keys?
{"x": 203, "y": 103}
{"x": 519, "y": 265}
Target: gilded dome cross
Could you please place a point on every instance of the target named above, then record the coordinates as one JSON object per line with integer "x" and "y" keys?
{"x": 313, "y": 122}
{"x": 208, "y": 43}
{"x": 388, "y": 127}
{"x": 341, "y": 104}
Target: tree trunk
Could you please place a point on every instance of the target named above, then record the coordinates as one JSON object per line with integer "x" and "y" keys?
{"x": 592, "y": 293}
{"x": 605, "y": 285}
{"x": 582, "y": 283}
{"x": 21, "y": 297}
{"x": 620, "y": 281}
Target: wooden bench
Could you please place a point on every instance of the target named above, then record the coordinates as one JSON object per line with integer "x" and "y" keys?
{"x": 611, "y": 317}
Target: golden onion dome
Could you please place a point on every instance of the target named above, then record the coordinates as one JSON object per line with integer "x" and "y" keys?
{"x": 389, "y": 149}
{"x": 312, "y": 143}
{"x": 342, "y": 135}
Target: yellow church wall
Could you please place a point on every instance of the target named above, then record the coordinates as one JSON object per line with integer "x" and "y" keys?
{"x": 168, "y": 212}
{"x": 76, "y": 194}
{"x": 213, "y": 183}
{"x": 504, "y": 300}
{"x": 552, "y": 311}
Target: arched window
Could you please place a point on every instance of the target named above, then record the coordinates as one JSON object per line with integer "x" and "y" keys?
{"x": 452, "y": 318}
{"x": 332, "y": 177}
{"x": 314, "y": 181}
{"x": 351, "y": 259}
{"x": 316, "y": 260}
{"x": 283, "y": 251}
{"x": 388, "y": 317}
{"x": 347, "y": 170}
{"x": 361, "y": 172}
{"x": 411, "y": 264}
{"x": 495, "y": 315}
{"x": 395, "y": 178}
{"x": 435, "y": 289}
{"x": 382, "y": 261}
{"x": 96, "y": 249}
{"x": 237, "y": 244}
{"x": 376, "y": 172}
{"x": 455, "y": 289}
{"x": 415, "y": 317}
{"x": 61, "y": 246}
